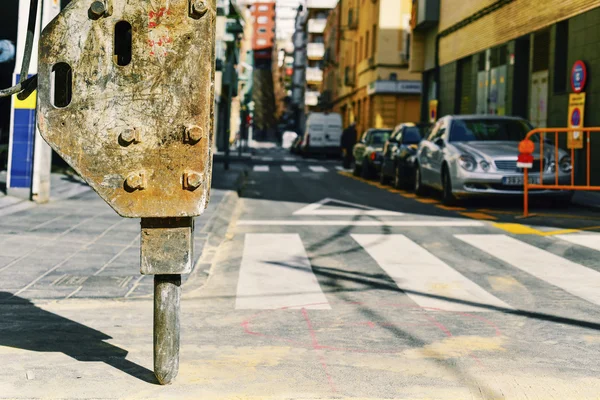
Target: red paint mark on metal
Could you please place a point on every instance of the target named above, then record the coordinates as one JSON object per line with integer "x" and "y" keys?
{"x": 317, "y": 347}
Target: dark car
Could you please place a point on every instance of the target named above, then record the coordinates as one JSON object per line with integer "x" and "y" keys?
{"x": 399, "y": 154}
{"x": 368, "y": 152}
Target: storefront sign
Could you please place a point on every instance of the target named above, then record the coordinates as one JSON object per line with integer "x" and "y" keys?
{"x": 576, "y": 114}
{"x": 433, "y": 105}
{"x": 578, "y": 76}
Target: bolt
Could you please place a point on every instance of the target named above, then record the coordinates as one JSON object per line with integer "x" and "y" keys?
{"x": 130, "y": 136}
{"x": 192, "y": 180}
{"x": 193, "y": 133}
{"x": 198, "y": 8}
{"x": 136, "y": 181}
{"x": 97, "y": 10}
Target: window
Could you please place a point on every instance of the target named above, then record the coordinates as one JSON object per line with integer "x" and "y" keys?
{"x": 488, "y": 130}
{"x": 561, "y": 47}
{"x": 261, "y": 42}
{"x": 374, "y": 44}
{"x": 367, "y": 45}
{"x": 412, "y": 135}
{"x": 262, "y": 30}
{"x": 379, "y": 137}
{"x": 262, "y": 19}
{"x": 263, "y": 8}
{"x": 360, "y": 49}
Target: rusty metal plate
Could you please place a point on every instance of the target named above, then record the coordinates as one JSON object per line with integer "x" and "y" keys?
{"x": 133, "y": 116}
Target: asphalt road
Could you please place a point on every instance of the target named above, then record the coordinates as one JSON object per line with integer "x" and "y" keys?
{"x": 330, "y": 287}
{"x": 335, "y": 287}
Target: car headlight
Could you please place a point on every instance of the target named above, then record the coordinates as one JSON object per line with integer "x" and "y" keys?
{"x": 484, "y": 165}
{"x": 565, "y": 164}
{"x": 468, "y": 163}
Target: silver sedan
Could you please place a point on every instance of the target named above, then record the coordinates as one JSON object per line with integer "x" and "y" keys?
{"x": 475, "y": 155}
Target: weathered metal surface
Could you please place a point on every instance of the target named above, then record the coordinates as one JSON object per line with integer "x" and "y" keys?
{"x": 139, "y": 134}
{"x": 167, "y": 245}
{"x": 167, "y": 296}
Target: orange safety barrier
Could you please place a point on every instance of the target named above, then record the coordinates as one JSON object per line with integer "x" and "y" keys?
{"x": 527, "y": 145}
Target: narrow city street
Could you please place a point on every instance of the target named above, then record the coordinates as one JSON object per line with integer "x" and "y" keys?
{"x": 329, "y": 286}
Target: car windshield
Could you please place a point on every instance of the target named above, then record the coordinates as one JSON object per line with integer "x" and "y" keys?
{"x": 470, "y": 130}
{"x": 413, "y": 135}
{"x": 378, "y": 137}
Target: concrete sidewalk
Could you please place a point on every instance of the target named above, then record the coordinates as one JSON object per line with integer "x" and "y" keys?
{"x": 77, "y": 246}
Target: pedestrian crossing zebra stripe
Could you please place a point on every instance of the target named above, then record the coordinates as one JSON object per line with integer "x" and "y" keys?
{"x": 569, "y": 276}
{"x": 261, "y": 168}
{"x": 426, "y": 279}
{"x": 591, "y": 241}
{"x": 290, "y": 168}
{"x": 318, "y": 168}
{"x": 276, "y": 273}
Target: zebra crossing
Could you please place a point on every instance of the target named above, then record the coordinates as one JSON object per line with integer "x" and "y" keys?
{"x": 293, "y": 168}
{"x": 276, "y": 272}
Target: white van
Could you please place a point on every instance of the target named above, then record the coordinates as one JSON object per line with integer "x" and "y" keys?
{"x": 323, "y": 134}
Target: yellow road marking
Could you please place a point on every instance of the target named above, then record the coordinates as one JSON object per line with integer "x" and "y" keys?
{"x": 447, "y": 208}
{"x": 519, "y": 229}
{"x": 505, "y": 284}
{"x": 408, "y": 195}
{"x": 428, "y": 201}
{"x": 478, "y": 215}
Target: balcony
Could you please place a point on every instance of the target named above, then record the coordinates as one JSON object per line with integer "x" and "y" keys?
{"x": 425, "y": 14}
{"x": 311, "y": 98}
{"x": 316, "y": 25}
{"x": 314, "y": 75}
{"x": 315, "y": 51}
{"x": 321, "y": 4}
{"x": 350, "y": 76}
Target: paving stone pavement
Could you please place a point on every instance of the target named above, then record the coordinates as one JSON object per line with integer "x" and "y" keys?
{"x": 80, "y": 248}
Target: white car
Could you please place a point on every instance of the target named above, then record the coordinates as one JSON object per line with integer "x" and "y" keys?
{"x": 322, "y": 135}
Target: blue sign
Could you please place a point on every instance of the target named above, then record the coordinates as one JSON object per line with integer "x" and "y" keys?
{"x": 576, "y": 117}
{"x": 578, "y": 76}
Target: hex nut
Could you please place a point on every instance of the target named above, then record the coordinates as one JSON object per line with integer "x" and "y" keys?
{"x": 193, "y": 133}
{"x": 198, "y": 8}
{"x": 97, "y": 10}
{"x": 136, "y": 181}
{"x": 192, "y": 180}
{"x": 130, "y": 136}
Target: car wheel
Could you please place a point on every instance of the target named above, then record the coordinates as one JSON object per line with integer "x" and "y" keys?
{"x": 366, "y": 170}
{"x": 419, "y": 188}
{"x": 383, "y": 179}
{"x": 356, "y": 171}
{"x": 398, "y": 184}
{"x": 447, "y": 195}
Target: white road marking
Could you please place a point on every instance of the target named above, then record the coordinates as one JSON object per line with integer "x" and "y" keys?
{"x": 275, "y": 273}
{"x": 261, "y": 168}
{"x": 288, "y": 222}
{"x": 571, "y": 277}
{"x": 266, "y": 158}
{"x": 290, "y": 168}
{"x": 347, "y": 209}
{"x": 342, "y": 168}
{"x": 289, "y": 159}
{"x": 588, "y": 240}
{"x": 318, "y": 168}
{"x": 426, "y": 279}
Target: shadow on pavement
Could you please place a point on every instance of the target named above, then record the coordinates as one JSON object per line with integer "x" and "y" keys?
{"x": 25, "y": 326}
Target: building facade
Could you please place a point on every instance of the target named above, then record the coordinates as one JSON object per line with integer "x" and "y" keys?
{"x": 377, "y": 89}
{"x": 507, "y": 57}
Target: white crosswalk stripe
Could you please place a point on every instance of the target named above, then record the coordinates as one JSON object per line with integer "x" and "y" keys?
{"x": 260, "y": 168}
{"x": 318, "y": 168}
{"x": 571, "y": 277}
{"x": 588, "y": 240}
{"x": 276, "y": 273}
{"x": 426, "y": 279}
{"x": 290, "y": 168}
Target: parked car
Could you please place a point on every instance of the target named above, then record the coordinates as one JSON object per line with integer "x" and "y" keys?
{"x": 399, "y": 154}
{"x": 322, "y": 135}
{"x": 475, "y": 155}
{"x": 368, "y": 152}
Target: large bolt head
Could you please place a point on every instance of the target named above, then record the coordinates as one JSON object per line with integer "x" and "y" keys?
{"x": 135, "y": 181}
{"x": 129, "y": 136}
{"x": 198, "y": 8}
{"x": 194, "y": 133}
{"x": 97, "y": 10}
{"x": 193, "y": 180}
